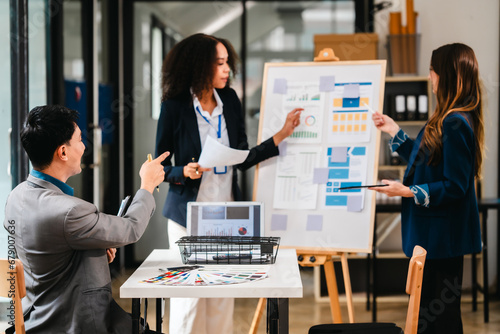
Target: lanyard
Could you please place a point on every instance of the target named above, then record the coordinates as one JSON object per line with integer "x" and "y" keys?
{"x": 219, "y": 132}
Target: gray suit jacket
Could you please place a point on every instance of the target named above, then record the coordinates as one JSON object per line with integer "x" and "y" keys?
{"x": 61, "y": 241}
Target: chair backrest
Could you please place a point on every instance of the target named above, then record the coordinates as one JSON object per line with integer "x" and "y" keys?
{"x": 414, "y": 288}
{"x": 12, "y": 286}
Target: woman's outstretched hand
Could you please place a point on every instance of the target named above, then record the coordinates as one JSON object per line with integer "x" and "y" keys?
{"x": 291, "y": 122}
{"x": 385, "y": 124}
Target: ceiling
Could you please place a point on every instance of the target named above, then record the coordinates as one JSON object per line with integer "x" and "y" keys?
{"x": 222, "y": 18}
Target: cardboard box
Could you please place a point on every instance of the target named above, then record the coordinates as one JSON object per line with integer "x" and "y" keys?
{"x": 361, "y": 46}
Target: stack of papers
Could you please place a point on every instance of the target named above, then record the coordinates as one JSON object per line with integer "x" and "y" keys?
{"x": 213, "y": 275}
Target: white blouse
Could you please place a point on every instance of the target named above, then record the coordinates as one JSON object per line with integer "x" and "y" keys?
{"x": 216, "y": 185}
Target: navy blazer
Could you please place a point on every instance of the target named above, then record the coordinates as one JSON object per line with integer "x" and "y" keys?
{"x": 178, "y": 133}
{"x": 449, "y": 226}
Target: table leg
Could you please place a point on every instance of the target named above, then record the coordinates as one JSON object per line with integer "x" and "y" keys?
{"x": 158, "y": 314}
{"x": 136, "y": 313}
{"x": 277, "y": 315}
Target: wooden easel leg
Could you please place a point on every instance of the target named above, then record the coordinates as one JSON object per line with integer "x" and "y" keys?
{"x": 347, "y": 285}
{"x": 257, "y": 316}
{"x": 333, "y": 292}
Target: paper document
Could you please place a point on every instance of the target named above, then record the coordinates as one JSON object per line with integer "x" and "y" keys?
{"x": 215, "y": 154}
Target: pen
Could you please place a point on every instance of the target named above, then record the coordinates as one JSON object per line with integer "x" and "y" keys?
{"x": 369, "y": 108}
{"x": 197, "y": 173}
{"x": 365, "y": 186}
{"x": 150, "y": 158}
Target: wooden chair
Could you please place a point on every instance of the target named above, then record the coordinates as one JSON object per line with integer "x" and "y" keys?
{"x": 413, "y": 288}
{"x": 12, "y": 286}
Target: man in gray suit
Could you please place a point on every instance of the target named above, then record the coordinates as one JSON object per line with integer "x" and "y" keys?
{"x": 61, "y": 240}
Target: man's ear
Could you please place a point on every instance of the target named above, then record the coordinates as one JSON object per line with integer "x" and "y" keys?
{"x": 61, "y": 153}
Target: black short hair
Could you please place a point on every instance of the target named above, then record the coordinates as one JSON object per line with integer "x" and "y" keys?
{"x": 46, "y": 128}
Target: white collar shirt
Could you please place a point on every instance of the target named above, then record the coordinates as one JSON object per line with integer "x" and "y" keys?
{"x": 214, "y": 187}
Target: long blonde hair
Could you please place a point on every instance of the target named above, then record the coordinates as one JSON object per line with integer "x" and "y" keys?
{"x": 458, "y": 90}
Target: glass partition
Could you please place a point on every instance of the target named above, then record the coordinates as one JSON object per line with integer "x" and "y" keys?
{"x": 5, "y": 115}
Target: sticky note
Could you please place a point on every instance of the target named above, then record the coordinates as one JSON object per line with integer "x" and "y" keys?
{"x": 351, "y": 91}
{"x": 279, "y": 86}
{"x": 314, "y": 223}
{"x": 337, "y": 102}
{"x": 282, "y": 148}
{"x": 320, "y": 175}
{"x": 354, "y": 203}
{"x": 278, "y": 222}
{"x": 339, "y": 154}
{"x": 326, "y": 84}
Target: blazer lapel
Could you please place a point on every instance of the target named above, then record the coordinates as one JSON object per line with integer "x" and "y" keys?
{"x": 231, "y": 123}
{"x": 192, "y": 124}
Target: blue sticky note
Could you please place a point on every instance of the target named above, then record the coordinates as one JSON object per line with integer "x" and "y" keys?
{"x": 354, "y": 203}
{"x": 282, "y": 148}
{"x": 320, "y": 175}
{"x": 279, "y": 86}
{"x": 314, "y": 223}
{"x": 327, "y": 83}
{"x": 278, "y": 222}
{"x": 351, "y": 91}
{"x": 339, "y": 154}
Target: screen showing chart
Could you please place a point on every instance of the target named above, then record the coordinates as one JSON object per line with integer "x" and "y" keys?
{"x": 225, "y": 219}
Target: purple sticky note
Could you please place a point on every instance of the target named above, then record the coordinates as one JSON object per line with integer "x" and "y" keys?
{"x": 279, "y": 86}
{"x": 351, "y": 91}
{"x": 314, "y": 223}
{"x": 339, "y": 154}
{"x": 278, "y": 222}
{"x": 282, "y": 148}
{"x": 354, "y": 203}
{"x": 327, "y": 84}
{"x": 320, "y": 175}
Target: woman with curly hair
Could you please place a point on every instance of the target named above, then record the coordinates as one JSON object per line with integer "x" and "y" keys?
{"x": 197, "y": 102}
{"x": 439, "y": 206}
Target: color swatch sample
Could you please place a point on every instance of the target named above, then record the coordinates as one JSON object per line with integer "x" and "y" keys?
{"x": 210, "y": 275}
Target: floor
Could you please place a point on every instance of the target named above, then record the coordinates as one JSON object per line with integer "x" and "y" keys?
{"x": 306, "y": 312}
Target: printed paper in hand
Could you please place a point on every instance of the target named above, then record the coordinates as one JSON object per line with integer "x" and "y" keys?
{"x": 215, "y": 154}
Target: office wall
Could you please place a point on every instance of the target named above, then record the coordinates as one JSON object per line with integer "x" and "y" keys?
{"x": 475, "y": 23}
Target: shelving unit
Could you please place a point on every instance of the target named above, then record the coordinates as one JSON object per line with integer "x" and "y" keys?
{"x": 407, "y": 86}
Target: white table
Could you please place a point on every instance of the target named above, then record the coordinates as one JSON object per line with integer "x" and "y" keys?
{"x": 283, "y": 282}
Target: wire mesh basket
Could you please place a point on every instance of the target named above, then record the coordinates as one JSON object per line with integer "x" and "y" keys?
{"x": 230, "y": 250}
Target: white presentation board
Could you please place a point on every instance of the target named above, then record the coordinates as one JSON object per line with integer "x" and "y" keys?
{"x": 335, "y": 146}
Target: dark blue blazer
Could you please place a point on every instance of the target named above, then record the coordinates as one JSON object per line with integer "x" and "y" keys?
{"x": 178, "y": 133}
{"x": 449, "y": 227}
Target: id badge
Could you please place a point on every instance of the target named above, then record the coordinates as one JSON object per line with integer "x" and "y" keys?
{"x": 220, "y": 170}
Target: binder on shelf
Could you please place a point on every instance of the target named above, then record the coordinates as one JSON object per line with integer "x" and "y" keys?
{"x": 423, "y": 112}
{"x": 411, "y": 107}
{"x": 400, "y": 107}
{"x": 395, "y": 159}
